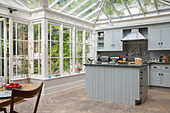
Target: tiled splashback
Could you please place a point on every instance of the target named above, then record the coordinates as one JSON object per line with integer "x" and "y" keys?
{"x": 134, "y": 49}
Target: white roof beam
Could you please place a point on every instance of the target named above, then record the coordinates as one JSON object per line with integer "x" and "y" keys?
{"x": 127, "y": 7}
{"x": 67, "y": 5}
{"x": 86, "y": 9}
{"x": 78, "y": 7}
{"x": 99, "y": 12}
{"x": 44, "y": 3}
{"x": 141, "y": 7}
{"x": 53, "y": 3}
{"x": 114, "y": 8}
{"x": 156, "y": 6}
{"x": 91, "y": 13}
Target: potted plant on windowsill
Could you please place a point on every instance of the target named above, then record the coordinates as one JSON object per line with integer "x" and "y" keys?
{"x": 78, "y": 70}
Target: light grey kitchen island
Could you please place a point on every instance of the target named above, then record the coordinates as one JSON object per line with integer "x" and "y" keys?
{"x": 122, "y": 83}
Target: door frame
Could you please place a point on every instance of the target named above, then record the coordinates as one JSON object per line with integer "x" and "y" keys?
{"x": 5, "y": 46}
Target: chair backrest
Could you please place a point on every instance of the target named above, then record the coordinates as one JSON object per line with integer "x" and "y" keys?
{"x": 26, "y": 94}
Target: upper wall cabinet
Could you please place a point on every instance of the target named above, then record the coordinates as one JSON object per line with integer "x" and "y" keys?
{"x": 159, "y": 37}
{"x": 112, "y": 40}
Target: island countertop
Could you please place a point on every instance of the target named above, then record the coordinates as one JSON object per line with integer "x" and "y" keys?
{"x": 117, "y": 65}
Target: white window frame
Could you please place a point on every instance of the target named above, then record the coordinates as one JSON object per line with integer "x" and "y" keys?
{"x": 39, "y": 50}
{"x": 49, "y": 57}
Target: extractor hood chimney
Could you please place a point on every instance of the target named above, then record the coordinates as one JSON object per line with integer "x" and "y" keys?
{"x": 135, "y": 35}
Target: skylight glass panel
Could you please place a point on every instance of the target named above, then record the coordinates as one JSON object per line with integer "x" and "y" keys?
{"x": 102, "y": 16}
{"x": 89, "y": 3}
{"x": 133, "y": 6}
{"x": 29, "y": 3}
{"x": 75, "y": 4}
{"x": 120, "y": 7}
{"x": 91, "y": 10}
{"x": 162, "y": 6}
{"x": 109, "y": 10}
{"x": 148, "y": 5}
{"x": 50, "y": 2}
{"x": 92, "y": 16}
{"x": 60, "y": 4}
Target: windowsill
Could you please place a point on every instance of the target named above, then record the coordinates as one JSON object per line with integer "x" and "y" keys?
{"x": 39, "y": 77}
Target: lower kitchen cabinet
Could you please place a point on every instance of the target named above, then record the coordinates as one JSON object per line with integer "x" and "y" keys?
{"x": 166, "y": 78}
{"x": 160, "y": 75}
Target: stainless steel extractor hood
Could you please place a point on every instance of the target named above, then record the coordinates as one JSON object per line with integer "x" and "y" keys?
{"x": 135, "y": 35}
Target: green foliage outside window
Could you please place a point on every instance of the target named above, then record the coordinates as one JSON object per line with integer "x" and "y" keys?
{"x": 53, "y": 49}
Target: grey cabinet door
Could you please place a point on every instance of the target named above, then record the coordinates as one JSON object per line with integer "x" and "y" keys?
{"x": 108, "y": 39}
{"x": 165, "y": 37}
{"x": 166, "y": 78}
{"x": 154, "y": 38}
{"x": 117, "y": 43}
{"x": 155, "y": 78}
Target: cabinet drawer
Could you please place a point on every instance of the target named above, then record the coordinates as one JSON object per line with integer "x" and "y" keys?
{"x": 166, "y": 67}
{"x": 155, "y": 67}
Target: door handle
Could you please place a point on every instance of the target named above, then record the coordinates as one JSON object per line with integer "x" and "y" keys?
{"x": 162, "y": 74}
{"x": 159, "y": 74}
{"x": 158, "y": 43}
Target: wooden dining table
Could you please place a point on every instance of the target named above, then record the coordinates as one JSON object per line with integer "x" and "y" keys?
{"x": 6, "y": 102}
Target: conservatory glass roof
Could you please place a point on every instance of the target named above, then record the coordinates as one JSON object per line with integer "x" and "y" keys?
{"x": 104, "y": 10}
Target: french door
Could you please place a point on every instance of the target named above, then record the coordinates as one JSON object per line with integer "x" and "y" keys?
{"x": 3, "y": 48}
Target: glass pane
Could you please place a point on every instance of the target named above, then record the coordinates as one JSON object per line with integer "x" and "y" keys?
{"x": 37, "y": 49}
{"x": 66, "y": 65}
{"x": 36, "y": 32}
{"x": 1, "y": 67}
{"x": 83, "y": 7}
{"x": 148, "y": 5}
{"x": 79, "y": 62}
{"x": 60, "y": 4}
{"x": 20, "y": 66}
{"x": 92, "y": 17}
{"x": 37, "y": 66}
{"x": 66, "y": 34}
{"x": 162, "y": 6}
{"x": 108, "y": 10}
{"x": 55, "y": 32}
{"x": 90, "y": 10}
{"x": 79, "y": 50}
{"x": 55, "y": 65}
{"x": 22, "y": 48}
{"x": 22, "y": 31}
{"x": 72, "y": 6}
{"x": 133, "y": 6}
{"x": 14, "y": 30}
{"x": 66, "y": 49}
{"x": 50, "y": 2}
{"x": 55, "y": 49}
{"x": 1, "y": 48}
{"x": 29, "y": 3}
{"x": 79, "y": 36}
{"x": 120, "y": 7}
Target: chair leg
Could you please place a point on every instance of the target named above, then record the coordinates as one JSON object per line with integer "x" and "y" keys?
{"x": 3, "y": 109}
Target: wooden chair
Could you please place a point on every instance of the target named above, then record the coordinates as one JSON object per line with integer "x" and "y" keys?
{"x": 3, "y": 109}
{"x": 26, "y": 94}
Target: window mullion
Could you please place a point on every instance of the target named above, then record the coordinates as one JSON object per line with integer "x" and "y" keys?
{"x": 50, "y": 49}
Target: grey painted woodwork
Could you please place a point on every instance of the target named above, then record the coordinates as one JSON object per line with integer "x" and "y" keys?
{"x": 160, "y": 75}
{"x": 108, "y": 39}
{"x": 124, "y": 85}
{"x": 112, "y": 40}
{"x": 154, "y": 38}
{"x": 159, "y": 37}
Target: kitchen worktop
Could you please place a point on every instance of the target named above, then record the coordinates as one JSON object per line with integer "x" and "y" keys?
{"x": 158, "y": 63}
{"x": 117, "y": 65}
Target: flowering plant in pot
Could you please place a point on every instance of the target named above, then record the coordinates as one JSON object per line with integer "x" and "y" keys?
{"x": 78, "y": 69}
